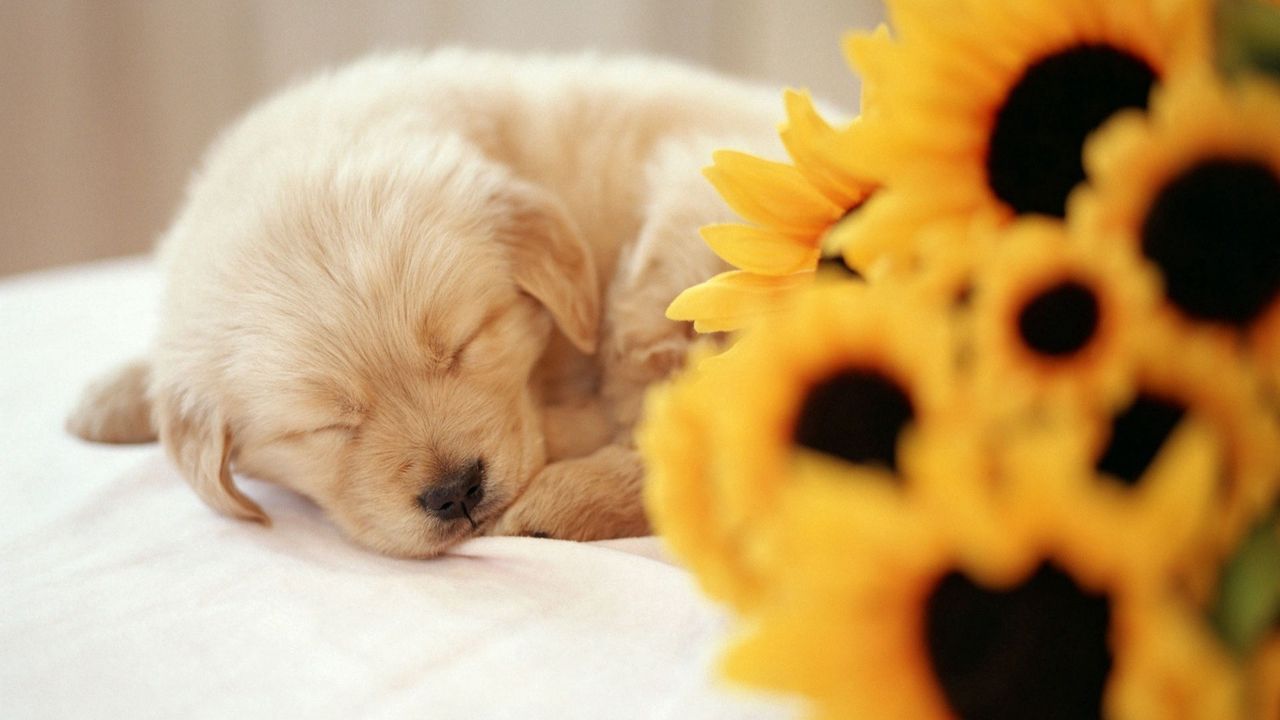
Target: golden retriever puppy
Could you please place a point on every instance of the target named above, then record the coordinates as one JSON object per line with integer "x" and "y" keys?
{"x": 427, "y": 292}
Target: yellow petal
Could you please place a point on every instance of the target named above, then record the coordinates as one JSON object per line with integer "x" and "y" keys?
{"x": 706, "y": 326}
{"x": 760, "y": 251}
{"x": 927, "y": 22}
{"x": 771, "y": 194}
{"x": 731, "y": 300}
{"x": 824, "y": 155}
{"x": 885, "y": 227}
{"x": 867, "y": 55}
{"x": 1179, "y": 489}
{"x": 754, "y": 659}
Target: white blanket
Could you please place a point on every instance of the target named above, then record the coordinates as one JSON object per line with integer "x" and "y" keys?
{"x": 121, "y": 595}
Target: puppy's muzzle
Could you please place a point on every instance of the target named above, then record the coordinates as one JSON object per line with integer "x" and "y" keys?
{"x": 456, "y": 493}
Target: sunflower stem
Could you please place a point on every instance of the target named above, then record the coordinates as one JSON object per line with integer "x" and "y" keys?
{"x": 1247, "y": 37}
{"x": 1248, "y": 604}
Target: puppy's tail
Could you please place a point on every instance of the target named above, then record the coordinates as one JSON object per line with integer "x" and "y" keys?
{"x": 116, "y": 408}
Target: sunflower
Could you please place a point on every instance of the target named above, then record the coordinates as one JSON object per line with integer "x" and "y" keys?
{"x": 1179, "y": 468}
{"x": 986, "y": 105}
{"x": 801, "y": 393}
{"x": 854, "y": 385}
{"x": 682, "y": 494}
{"x": 1053, "y": 319}
{"x": 843, "y": 377}
{"x": 905, "y": 629}
{"x": 1156, "y": 497}
{"x": 1194, "y": 188}
{"x": 792, "y": 212}
{"x": 1180, "y": 378}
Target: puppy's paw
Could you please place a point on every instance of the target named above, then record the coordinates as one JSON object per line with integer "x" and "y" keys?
{"x": 653, "y": 355}
{"x": 116, "y": 409}
{"x": 636, "y": 357}
{"x": 597, "y": 497}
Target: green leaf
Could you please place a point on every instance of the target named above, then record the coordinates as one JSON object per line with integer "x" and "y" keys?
{"x": 1248, "y": 37}
{"x": 1249, "y": 594}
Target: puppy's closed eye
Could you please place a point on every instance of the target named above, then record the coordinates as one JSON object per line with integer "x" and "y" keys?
{"x": 477, "y": 355}
{"x": 329, "y": 430}
{"x": 485, "y": 346}
{"x": 345, "y": 428}
{"x": 446, "y": 356}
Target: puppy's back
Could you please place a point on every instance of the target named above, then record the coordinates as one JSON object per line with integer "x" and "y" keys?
{"x": 582, "y": 126}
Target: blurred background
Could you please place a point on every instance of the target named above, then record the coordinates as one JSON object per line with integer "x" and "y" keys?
{"x": 107, "y": 105}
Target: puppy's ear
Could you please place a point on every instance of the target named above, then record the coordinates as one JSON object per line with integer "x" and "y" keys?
{"x": 200, "y": 445}
{"x": 551, "y": 262}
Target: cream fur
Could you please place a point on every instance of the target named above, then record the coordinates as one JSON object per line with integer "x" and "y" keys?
{"x": 419, "y": 260}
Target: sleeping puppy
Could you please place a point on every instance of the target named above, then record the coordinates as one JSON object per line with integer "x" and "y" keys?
{"x": 427, "y": 292}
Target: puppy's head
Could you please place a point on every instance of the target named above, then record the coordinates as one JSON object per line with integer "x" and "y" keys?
{"x": 363, "y": 330}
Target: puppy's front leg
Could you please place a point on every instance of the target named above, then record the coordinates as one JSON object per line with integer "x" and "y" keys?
{"x": 595, "y": 497}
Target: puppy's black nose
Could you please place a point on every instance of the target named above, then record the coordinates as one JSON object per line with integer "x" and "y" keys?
{"x": 456, "y": 493}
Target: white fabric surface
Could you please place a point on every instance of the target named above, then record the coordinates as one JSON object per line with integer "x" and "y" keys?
{"x": 121, "y": 595}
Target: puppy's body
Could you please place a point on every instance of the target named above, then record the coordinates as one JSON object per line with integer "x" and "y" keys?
{"x": 427, "y": 292}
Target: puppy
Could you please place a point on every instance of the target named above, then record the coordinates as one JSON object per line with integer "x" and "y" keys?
{"x": 427, "y": 292}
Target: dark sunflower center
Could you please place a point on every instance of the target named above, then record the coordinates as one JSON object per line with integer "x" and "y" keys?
{"x": 1034, "y": 152}
{"x": 1059, "y": 320}
{"x": 835, "y": 266}
{"x": 857, "y": 415}
{"x": 1137, "y": 435}
{"x": 1036, "y": 650}
{"x": 1215, "y": 233}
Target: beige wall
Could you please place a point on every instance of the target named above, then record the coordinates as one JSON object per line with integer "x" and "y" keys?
{"x": 105, "y": 105}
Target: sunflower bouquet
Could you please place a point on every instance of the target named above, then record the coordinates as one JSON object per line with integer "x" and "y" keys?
{"x": 997, "y": 433}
